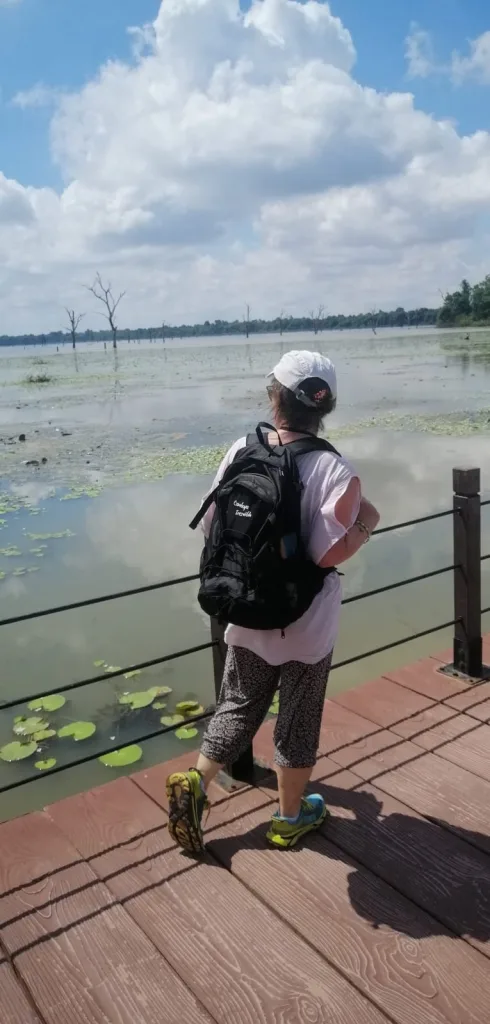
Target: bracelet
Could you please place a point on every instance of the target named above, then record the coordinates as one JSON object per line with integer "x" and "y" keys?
{"x": 364, "y": 529}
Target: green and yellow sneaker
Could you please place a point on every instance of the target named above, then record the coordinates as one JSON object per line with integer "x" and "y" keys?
{"x": 187, "y": 802}
{"x": 284, "y": 833}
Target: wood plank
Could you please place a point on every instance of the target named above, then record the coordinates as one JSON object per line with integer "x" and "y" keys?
{"x": 341, "y": 727}
{"x": 39, "y": 869}
{"x": 448, "y": 730}
{"x": 408, "y": 964}
{"x": 241, "y": 961}
{"x": 480, "y": 711}
{"x": 425, "y": 720}
{"x": 365, "y": 747}
{"x": 386, "y": 760}
{"x": 383, "y": 702}
{"x": 129, "y": 872}
{"x": 16, "y": 1006}
{"x": 468, "y": 700}
{"x": 446, "y": 793}
{"x": 471, "y": 752}
{"x": 425, "y": 677}
{"x": 105, "y": 817}
{"x": 106, "y": 971}
{"x": 81, "y": 950}
{"x": 432, "y": 867}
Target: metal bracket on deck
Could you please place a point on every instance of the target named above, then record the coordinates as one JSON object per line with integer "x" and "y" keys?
{"x": 451, "y": 670}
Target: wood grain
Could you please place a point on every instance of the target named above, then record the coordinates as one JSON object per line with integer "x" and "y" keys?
{"x": 426, "y": 678}
{"x": 241, "y": 961}
{"x": 438, "y": 871}
{"x": 424, "y": 720}
{"x": 365, "y": 747}
{"x": 341, "y": 727}
{"x": 445, "y": 792}
{"x": 448, "y": 730}
{"x": 106, "y": 971}
{"x": 15, "y": 1006}
{"x": 471, "y": 752}
{"x": 466, "y": 701}
{"x": 480, "y": 711}
{"x": 386, "y": 760}
{"x": 105, "y": 817}
{"x": 39, "y": 872}
{"x": 383, "y": 702}
{"x": 82, "y": 951}
{"x": 408, "y": 965}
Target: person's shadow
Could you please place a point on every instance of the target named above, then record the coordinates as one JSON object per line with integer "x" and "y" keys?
{"x": 443, "y": 871}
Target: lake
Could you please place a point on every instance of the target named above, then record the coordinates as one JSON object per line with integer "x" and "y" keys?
{"x": 130, "y": 441}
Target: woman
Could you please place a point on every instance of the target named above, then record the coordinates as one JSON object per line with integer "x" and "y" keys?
{"x": 335, "y": 521}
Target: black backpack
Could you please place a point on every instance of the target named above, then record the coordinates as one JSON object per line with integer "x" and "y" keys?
{"x": 254, "y": 568}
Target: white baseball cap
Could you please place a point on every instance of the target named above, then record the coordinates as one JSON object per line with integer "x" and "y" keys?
{"x": 297, "y": 369}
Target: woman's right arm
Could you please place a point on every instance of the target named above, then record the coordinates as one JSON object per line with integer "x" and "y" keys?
{"x": 355, "y": 535}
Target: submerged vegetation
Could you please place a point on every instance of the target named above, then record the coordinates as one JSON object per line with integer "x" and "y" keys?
{"x": 43, "y": 734}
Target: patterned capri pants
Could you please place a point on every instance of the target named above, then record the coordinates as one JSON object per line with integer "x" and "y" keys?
{"x": 248, "y": 686}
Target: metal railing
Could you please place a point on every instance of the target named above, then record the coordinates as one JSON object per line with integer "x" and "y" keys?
{"x": 467, "y": 645}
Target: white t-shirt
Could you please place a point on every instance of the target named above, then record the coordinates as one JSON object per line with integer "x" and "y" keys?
{"x": 325, "y": 479}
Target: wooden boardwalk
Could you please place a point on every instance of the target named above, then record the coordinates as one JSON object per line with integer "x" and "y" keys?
{"x": 384, "y": 916}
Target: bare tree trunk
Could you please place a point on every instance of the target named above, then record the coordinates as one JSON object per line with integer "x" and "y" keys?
{"x": 247, "y": 321}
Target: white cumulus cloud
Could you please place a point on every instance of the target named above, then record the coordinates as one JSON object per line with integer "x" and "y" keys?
{"x": 236, "y": 158}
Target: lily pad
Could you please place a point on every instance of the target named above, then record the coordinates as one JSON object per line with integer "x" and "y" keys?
{"x": 17, "y": 751}
{"x": 121, "y": 758}
{"x": 160, "y": 691}
{"x": 44, "y": 766}
{"x": 187, "y": 706}
{"x": 77, "y": 731}
{"x": 44, "y": 734}
{"x": 139, "y": 700}
{"x": 195, "y": 711}
{"x": 131, "y": 675}
{"x": 172, "y": 719}
{"x": 113, "y": 668}
{"x": 52, "y": 703}
{"x": 28, "y": 726}
{"x": 100, "y": 664}
{"x": 160, "y": 705}
{"x": 186, "y": 732}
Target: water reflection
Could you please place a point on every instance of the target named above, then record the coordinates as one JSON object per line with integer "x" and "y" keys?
{"x": 134, "y": 535}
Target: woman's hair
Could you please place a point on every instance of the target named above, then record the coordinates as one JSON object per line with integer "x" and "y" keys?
{"x": 292, "y": 414}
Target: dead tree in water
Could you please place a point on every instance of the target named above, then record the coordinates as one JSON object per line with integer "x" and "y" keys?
{"x": 316, "y": 318}
{"x": 281, "y": 322}
{"x": 163, "y": 332}
{"x": 374, "y": 320}
{"x": 105, "y": 296}
{"x": 75, "y": 319}
{"x": 247, "y": 320}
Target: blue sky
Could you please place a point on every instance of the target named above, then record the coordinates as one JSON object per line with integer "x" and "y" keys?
{"x": 62, "y": 44}
{"x": 223, "y": 167}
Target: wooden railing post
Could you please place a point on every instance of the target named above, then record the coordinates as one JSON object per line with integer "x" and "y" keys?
{"x": 242, "y": 770}
{"x": 467, "y": 574}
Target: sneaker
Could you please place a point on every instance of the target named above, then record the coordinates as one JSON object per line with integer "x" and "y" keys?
{"x": 187, "y": 802}
{"x": 284, "y": 833}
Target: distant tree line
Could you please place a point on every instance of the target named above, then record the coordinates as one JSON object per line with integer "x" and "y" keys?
{"x": 468, "y": 305}
{"x": 315, "y": 322}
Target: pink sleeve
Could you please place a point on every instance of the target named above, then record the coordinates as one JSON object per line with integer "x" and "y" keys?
{"x": 326, "y": 530}
{"x": 230, "y": 455}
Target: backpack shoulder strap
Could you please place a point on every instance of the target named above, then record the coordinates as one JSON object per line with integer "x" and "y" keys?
{"x": 305, "y": 445}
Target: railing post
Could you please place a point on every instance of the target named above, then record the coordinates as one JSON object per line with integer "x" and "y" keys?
{"x": 467, "y": 574}
{"x": 242, "y": 770}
